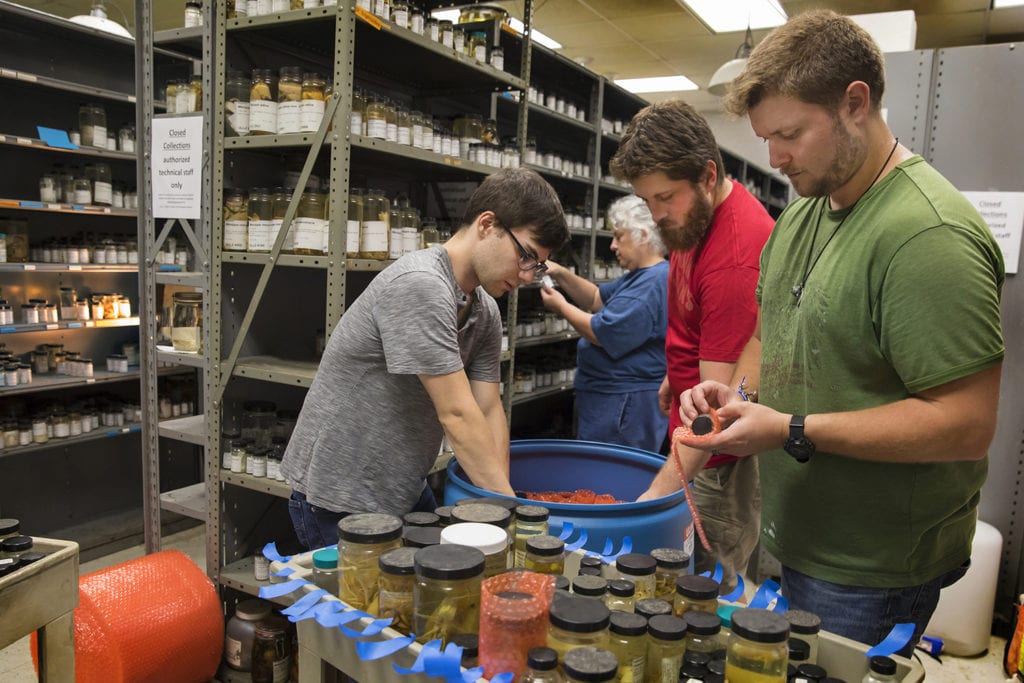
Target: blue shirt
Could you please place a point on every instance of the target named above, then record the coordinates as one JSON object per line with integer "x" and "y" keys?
{"x": 631, "y": 328}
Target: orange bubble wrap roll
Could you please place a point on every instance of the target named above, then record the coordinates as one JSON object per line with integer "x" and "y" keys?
{"x": 513, "y": 619}
{"x": 156, "y": 619}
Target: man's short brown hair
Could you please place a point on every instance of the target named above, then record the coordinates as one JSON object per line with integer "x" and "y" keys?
{"x": 813, "y": 57}
{"x": 670, "y": 137}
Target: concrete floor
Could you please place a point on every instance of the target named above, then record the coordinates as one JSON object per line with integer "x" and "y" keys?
{"x": 16, "y": 662}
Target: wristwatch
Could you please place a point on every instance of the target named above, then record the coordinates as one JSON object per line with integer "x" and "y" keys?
{"x": 798, "y": 445}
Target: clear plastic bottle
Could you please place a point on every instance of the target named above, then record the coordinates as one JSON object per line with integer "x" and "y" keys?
{"x": 325, "y": 569}
{"x": 356, "y": 202}
{"x": 236, "y": 220}
{"x": 626, "y": 640}
{"x": 880, "y": 670}
{"x": 375, "y": 233}
{"x": 262, "y": 103}
{"x": 289, "y": 99}
{"x": 236, "y": 104}
{"x": 542, "y": 667}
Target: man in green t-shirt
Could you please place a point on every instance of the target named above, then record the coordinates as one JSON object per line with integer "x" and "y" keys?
{"x": 878, "y": 348}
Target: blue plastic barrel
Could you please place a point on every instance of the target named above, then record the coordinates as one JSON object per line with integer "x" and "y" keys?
{"x": 562, "y": 465}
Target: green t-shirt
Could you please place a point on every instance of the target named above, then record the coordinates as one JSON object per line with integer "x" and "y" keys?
{"x": 904, "y": 298}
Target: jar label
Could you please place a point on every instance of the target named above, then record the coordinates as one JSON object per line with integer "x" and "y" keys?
{"x": 83, "y": 196}
{"x": 239, "y": 119}
{"x": 402, "y": 18}
{"x": 311, "y": 113}
{"x": 374, "y": 236}
{"x": 669, "y": 668}
{"x": 306, "y": 4}
{"x": 404, "y": 135}
{"x": 417, "y": 24}
{"x": 392, "y": 132}
{"x": 636, "y": 665}
{"x": 377, "y": 128}
{"x": 310, "y": 233}
{"x": 280, "y": 6}
{"x": 273, "y": 469}
{"x": 99, "y": 136}
{"x": 102, "y": 193}
{"x": 233, "y": 652}
{"x": 261, "y": 235}
{"x": 185, "y": 101}
{"x": 417, "y": 135}
{"x": 410, "y": 240}
{"x": 235, "y": 235}
{"x": 395, "y": 249}
{"x": 289, "y": 238}
{"x": 288, "y": 117}
{"x": 282, "y": 670}
{"x": 259, "y": 467}
{"x": 380, "y": 8}
{"x": 263, "y": 116}
{"x": 356, "y": 123}
{"x": 352, "y": 237}
{"x": 480, "y": 53}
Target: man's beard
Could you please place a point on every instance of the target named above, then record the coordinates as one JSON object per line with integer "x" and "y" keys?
{"x": 850, "y": 153}
{"x": 688, "y": 235}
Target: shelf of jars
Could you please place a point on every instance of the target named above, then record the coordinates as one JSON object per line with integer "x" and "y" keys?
{"x": 274, "y": 487}
{"x": 290, "y": 260}
{"x": 69, "y": 325}
{"x": 183, "y": 278}
{"x": 48, "y": 382}
{"x": 271, "y": 141}
{"x": 428, "y": 156}
{"x": 559, "y": 175}
{"x": 189, "y": 501}
{"x": 526, "y": 397}
{"x": 614, "y": 137}
{"x": 53, "y": 207}
{"x": 37, "y": 144}
{"x": 66, "y": 268}
{"x": 32, "y": 79}
{"x": 277, "y": 370}
{"x": 540, "y": 340}
{"x": 614, "y": 187}
{"x": 240, "y": 575}
{"x": 167, "y": 354}
{"x": 190, "y": 429}
{"x": 100, "y": 433}
{"x": 580, "y": 232}
{"x": 188, "y": 38}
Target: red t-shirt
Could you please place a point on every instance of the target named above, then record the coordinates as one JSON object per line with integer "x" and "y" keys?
{"x": 711, "y": 305}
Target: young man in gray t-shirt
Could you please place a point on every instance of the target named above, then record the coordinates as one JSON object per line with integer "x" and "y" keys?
{"x": 417, "y": 356}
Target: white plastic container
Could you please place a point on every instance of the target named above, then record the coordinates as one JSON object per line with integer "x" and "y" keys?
{"x": 963, "y": 618}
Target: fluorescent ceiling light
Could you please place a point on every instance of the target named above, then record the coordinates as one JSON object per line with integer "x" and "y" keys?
{"x": 97, "y": 19}
{"x": 656, "y": 84}
{"x": 724, "y": 16}
{"x": 999, "y": 4}
{"x": 452, "y": 15}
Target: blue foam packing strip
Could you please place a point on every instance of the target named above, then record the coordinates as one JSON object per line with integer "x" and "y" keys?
{"x": 318, "y": 611}
{"x": 304, "y": 603}
{"x": 339, "y": 618}
{"x": 276, "y": 590}
{"x": 738, "y": 593}
{"x": 270, "y": 552}
{"x": 368, "y": 651}
{"x": 371, "y": 629}
{"x": 898, "y": 637}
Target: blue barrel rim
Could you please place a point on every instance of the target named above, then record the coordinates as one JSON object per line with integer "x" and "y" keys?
{"x": 671, "y": 499}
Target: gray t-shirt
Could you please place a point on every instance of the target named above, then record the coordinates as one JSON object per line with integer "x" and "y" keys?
{"x": 368, "y": 432}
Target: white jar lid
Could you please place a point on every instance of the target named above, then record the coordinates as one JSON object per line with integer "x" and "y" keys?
{"x": 486, "y": 538}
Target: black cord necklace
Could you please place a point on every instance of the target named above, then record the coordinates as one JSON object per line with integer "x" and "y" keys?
{"x": 798, "y": 289}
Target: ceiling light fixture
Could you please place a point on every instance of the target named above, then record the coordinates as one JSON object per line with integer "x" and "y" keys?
{"x": 1000, "y": 4}
{"x": 97, "y": 19}
{"x": 725, "y": 74}
{"x": 656, "y": 84}
{"x": 725, "y": 16}
{"x": 452, "y": 15}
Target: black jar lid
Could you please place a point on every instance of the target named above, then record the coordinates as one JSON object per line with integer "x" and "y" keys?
{"x": 16, "y": 544}
{"x": 702, "y": 623}
{"x": 590, "y": 665}
{"x": 804, "y": 623}
{"x": 666, "y": 627}
{"x": 469, "y": 642}
{"x": 591, "y": 586}
{"x": 562, "y": 583}
{"x": 370, "y": 527}
{"x": 9, "y": 526}
{"x": 670, "y": 558}
{"x": 30, "y": 557}
{"x": 717, "y": 664}
{"x": 883, "y": 665}
{"x": 691, "y": 670}
{"x": 482, "y": 513}
{"x": 398, "y": 561}
{"x": 591, "y": 561}
{"x": 652, "y": 607}
{"x": 627, "y": 623}
{"x": 622, "y": 588}
{"x": 695, "y": 657}
{"x": 544, "y": 545}
{"x": 697, "y": 587}
{"x": 815, "y": 672}
{"x": 589, "y": 571}
{"x": 760, "y": 625}
{"x": 637, "y": 564}
{"x": 542, "y": 658}
{"x": 445, "y": 513}
{"x": 421, "y": 519}
{"x": 421, "y": 536}
{"x": 449, "y": 562}
{"x": 579, "y": 615}
{"x": 799, "y": 650}
{"x": 532, "y": 513}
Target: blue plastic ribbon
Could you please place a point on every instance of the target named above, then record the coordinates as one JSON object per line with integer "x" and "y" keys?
{"x": 609, "y": 547}
{"x": 304, "y": 603}
{"x": 270, "y": 552}
{"x": 766, "y": 593}
{"x": 608, "y": 556}
{"x": 339, "y": 618}
{"x": 417, "y": 666}
{"x": 576, "y": 545}
{"x": 736, "y": 594}
{"x": 719, "y": 573}
{"x": 566, "y": 531}
{"x": 276, "y": 590}
{"x": 317, "y": 611}
{"x": 371, "y": 629}
{"x": 447, "y": 664}
{"x": 369, "y": 650}
{"x": 503, "y": 677}
{"x": 287, "y": 571}
{"x": 898, "y": 637}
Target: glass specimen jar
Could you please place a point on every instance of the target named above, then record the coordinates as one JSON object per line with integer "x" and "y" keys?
{"x": 236, "y": 220}
{"x": 187, "y": 325}
{"x": 363, "y": 538}
{"x": 446, "y": 595}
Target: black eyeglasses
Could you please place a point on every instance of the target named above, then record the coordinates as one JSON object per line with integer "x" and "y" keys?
{"x": 527, "y": 261}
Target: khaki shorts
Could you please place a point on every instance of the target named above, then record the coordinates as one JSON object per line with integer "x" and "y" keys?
{"x": 728, "y": 498}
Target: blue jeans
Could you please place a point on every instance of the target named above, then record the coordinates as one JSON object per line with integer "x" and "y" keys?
{"x": 631, "y": 419}
{"x": 867, "y": 614}
{"x": 317, "y": 527}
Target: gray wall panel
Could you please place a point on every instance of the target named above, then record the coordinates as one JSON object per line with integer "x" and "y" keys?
{"x": 908, "y": 77}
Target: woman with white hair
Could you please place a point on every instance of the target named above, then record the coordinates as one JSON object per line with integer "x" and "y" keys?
{"x": 620, "y": 358}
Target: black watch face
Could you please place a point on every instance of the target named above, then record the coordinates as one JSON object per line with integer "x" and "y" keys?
{"x": 800, "y": 448}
